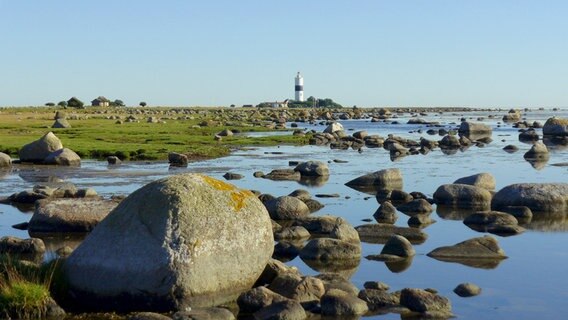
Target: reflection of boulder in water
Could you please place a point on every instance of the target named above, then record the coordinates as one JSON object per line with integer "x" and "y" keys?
{"x": 396, "y": 266}
{"x": 4, "y": 172}
{"x": 55, "y": 241}
{"x": 474, "y": 263}
{"x": 346, "y": 268}
{"x": 548, "y": 223}
{"x": 41, "y": 176}
{"x": 316, "y": 181}
{"x": 381, "y": 232}
{"x": 538, "y": 163}
{"x": 477, "y": 136}
{"x": 449, "y": 151}
{"x": 556, "y": 143}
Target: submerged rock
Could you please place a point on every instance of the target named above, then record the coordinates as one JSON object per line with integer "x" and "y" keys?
{"x": 381, "y": 232}
{"x": 186, "y": 240}
{"x": 467, "y": 290}
{"x": 476, "y": 248}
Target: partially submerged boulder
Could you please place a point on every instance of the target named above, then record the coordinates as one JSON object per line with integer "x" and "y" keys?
{"x": 69, "y": 215}
{"x": 468, "y": 127}
{"x": 312, "y": 169}
{"x": 463, "y": 196}
{"x": 287, "y": 208}
{"x": 63, "y": 157}
{"x": 38, "y": 150}
{"x": 476, "y": 248}
{"x": 177, "y": 159}
{"x": 5, "y": 160}
{"x": 185, "y": 240}
{"x": 540, "y": 198}
{"x": 483, "y": 180}
{"x": 556, "y": 127}
{"x": 381, "y": 233}
{"x": 387, "y": 179}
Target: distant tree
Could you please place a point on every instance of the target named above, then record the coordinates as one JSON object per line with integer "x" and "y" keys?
{"x": 50, "y": 104}
{"x": 142, "y": 104}
{"x": 232, "y": 106}
{"x": 117, "y": 103}
{"x": 62, "y": 104}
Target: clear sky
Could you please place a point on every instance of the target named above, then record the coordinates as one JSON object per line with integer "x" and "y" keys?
{"x": 486, "y": 53}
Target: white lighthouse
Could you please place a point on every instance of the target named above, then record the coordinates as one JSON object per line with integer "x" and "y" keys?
{"x": 299, "y": 88}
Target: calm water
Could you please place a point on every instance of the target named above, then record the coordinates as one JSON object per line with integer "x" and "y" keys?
{"x": 529, "y": 284}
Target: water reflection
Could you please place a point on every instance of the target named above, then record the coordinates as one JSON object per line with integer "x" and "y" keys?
{"x": 474, "y": 263}
{"x": 313, "y": 181}
{"x": 5, "y": 172}
{"x": 40, "y": 176}
{"x": 395, "y": 265}
{"x": 538, "y": 163}
{"x": 346, "y": 268}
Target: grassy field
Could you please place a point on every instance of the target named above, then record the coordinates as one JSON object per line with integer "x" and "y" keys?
{"x": 96, "y": 134}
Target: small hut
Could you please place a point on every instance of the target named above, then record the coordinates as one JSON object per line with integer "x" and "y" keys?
{"x": 100, "y": 102}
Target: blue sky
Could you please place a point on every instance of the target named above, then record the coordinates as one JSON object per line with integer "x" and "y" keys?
{"x": 486, "y": 53}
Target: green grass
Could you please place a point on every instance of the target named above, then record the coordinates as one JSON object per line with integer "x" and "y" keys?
{"x": 96, "y": 137}
{"x": 24, "y": 289}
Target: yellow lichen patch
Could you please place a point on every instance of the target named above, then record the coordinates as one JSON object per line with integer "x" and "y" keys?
{"x": 237, "y": 196}
{"x": 219, "y": 185}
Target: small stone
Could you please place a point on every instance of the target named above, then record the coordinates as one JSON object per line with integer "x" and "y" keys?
{"x": 467, "y": 290}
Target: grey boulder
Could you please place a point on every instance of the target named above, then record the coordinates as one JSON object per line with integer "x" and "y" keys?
{"x": 483, "y": 180}
{"x": 5, "y": 160}
{"x": 63, "y": 157}
{"x": 312, "y": 169}
{"x": 183, "y": 241}
{"x": 463, "y": 196}
{"x": 287, "y": 208}
{"x": 38, "y": 150}
{"x": 540, "y": 198}
{"x": 556, "y": 127}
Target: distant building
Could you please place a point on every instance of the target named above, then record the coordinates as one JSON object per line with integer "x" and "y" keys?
{"x": 247, "y": 106}
{"x": 75, "y": 103}
{"x": 100, "y": 102}
{"x": 274, "y": 104}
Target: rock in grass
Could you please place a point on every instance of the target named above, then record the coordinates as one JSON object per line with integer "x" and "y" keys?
{"x": 477, "y": 248}
{"x": 174, "y": 243}
{"x": 483, "y": 180}
{"x": 38, "y": 150}
{"x": 61, "y": 124}
{"x": 541, "y": 198}
{"x": 14, "y": 245}
{"x": 467, "y": 290}
{"x": 463, "y": 196}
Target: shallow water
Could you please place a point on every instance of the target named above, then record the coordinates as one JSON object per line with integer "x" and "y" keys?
{"x": 527, "y": 285}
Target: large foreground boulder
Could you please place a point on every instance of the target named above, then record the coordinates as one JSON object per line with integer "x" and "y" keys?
{"x": 184, "y": 241}
{"x": 38, "y": 150}
{"x": 540, "y": 198}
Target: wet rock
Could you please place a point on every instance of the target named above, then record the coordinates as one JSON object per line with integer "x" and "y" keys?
{"x": 422, "y": 301}
{"x": 396, "y": 246}
{"x": 148, "y": 316}
{"x": 463, "y": 196}
{"x": 376, "y": 285}
{"x": 386, "y": 213}
{"x": 312, "y": 169}
{"x": 556, "y": 127}
{"x": 5, "y": 160}
{"x": 540, "y": 198}
{"x": 204, "y": 314}
{"x": 38, "y": 150}
{"x": 333, "y": 127}
{"x": 232, "y": 176}
{"x": 63, "y": 157}
{"x": 69, "y": 215}
{"x": 289, "y": 310}
{"x": 478, "y": 248}
{"x": 387, "y": 179}
{"x": 21, "y": 226}
{"x": 292, "y": 233}
{"x": 258, "y": 174}
{"x": 283, "y": 174}
{"x": 301, "y": 194}
{"x": 378, "y": 298}
{"x": 113, "y": 160}
{"x": 14, "y": 245}
{"x": 302, "y": 289}
{"x": 160, "y": 248}
{"x": 467, "y": 290}
{"x": 380, "y": 233}
{"x": 272, "y": 270}
{"x": 495, "y": 222}
{"x": 537, "y": 151}
{"x": 327, "y": 249}
{"x": 337, "y": 302}
{"x": 258, "y": 298}
{"x": 287, "y": 208}
{"x": 467, "y": 127}
{"x": 482, "y": 180}
{"x": 177, "y": 159}
{"x": 337, "y": 281}
{"x": 510, "y": 148}
{"x": 313, "y": 205}
{"x": 414, "y": 207}
{"x": 420, "y": 220}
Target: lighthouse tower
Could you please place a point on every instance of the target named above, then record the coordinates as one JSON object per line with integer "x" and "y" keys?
{"x": 299, "y": 88}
